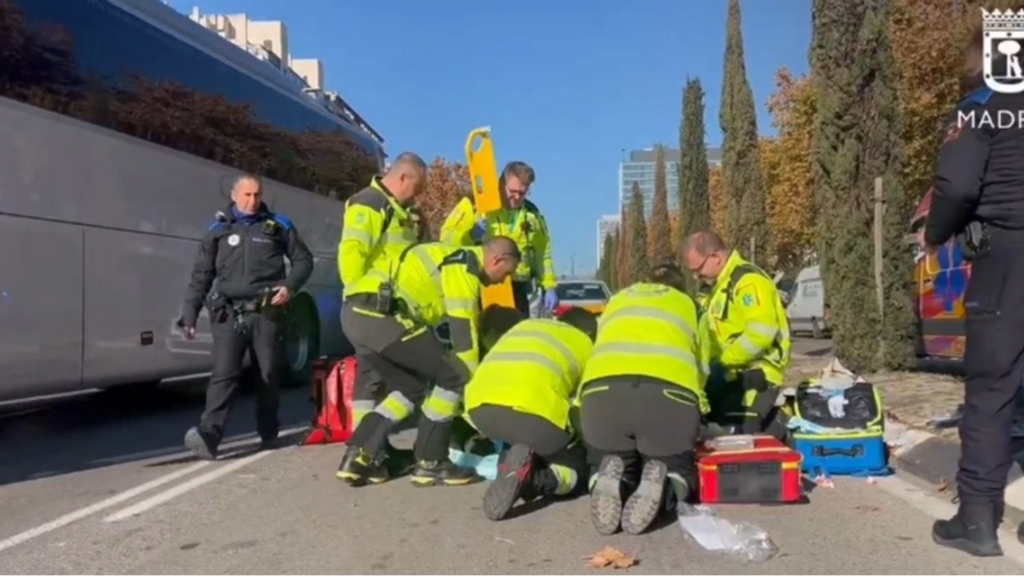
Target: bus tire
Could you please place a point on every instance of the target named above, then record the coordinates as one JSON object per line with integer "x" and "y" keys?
{"x": 302, "y": 342}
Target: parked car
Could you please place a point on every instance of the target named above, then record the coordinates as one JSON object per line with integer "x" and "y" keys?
{"x": 590, "y": 295}
{"x": 806, "y": 310}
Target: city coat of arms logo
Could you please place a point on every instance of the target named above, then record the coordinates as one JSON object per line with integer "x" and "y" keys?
{"x": 1003, "y": 35}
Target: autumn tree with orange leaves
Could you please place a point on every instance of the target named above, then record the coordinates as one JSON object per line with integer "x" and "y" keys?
{"x": 786, "y": 163}
{"x": 447, "y": 183}
{"x": 717, "y": 200}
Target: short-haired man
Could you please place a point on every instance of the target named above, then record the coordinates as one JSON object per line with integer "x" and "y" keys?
{"x": 520, "y": 220}
{"x": 750, "y": 332}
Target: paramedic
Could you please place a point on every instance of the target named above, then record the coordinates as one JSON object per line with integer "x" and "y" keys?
{"x": 389, "y": 320}
{"x": 379, "y": 224}
{"x": 521, "y": 395}
{"x": 750, "y": 333}
{"x": 979, "y": 198}
{"x": 642, "y": 399}
{"x": 520, "y": 220}
{"x": 244, "y": 251}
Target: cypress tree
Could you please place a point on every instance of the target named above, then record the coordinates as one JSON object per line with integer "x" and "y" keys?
{"x": 607, "y": 258}
{"x": 660, "y": 228}
{"x": 622, "y": 249}
{"x": 637, "y": 232}
{"x": 856, "y": 140}
{"x": 694, "y": 203}
{"x": 741, "y": 160}
{"x": 613, "y": 268}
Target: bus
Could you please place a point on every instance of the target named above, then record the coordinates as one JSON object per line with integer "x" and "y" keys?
{"x": 124, "y": 125}
{"x": 941, "y": 280}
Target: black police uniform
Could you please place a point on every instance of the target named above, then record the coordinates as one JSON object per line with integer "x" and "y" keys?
{"x": 979, "y": 198}
{"x": 245, "y": 255}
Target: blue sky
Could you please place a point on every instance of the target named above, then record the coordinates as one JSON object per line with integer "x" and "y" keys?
{"x": 564, "y": 84}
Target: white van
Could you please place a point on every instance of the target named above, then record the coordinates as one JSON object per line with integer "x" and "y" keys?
{"x": 806, "y": 310}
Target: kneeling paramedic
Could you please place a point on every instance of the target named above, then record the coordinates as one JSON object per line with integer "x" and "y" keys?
{"x": 750, "y": 333}
{"x": 389, "y": 320}
{"x": 521, "y": 395}
{"x": 642, "y": 400}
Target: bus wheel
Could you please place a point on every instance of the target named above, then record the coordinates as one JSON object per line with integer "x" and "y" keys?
{"x": 816, "y": 331}
{"x": 302, "y": 338}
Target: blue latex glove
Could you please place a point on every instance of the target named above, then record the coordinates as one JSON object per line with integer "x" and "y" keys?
{"x": 551, "y": 299}
{"x": 479, "y": 230}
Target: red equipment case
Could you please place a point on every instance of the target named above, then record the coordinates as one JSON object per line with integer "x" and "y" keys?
{"x": 769, "y": 473}
{"x": 333, "y": 383}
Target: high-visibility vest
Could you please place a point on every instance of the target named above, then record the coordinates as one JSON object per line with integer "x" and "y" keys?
{"x": 436, "y": 282}
{"x": 534, "y": 368}
{"x": 375, "y": 231}
{"x": 748, "y": 321}
{"x": 652, "y": 330}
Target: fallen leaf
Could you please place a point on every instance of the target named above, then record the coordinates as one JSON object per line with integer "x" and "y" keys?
{"x": 943, "y": 485}
{"x": 610, "y": 557}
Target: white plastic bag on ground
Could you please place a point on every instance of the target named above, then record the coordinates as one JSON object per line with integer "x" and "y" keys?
{"x": 741, "y": 540}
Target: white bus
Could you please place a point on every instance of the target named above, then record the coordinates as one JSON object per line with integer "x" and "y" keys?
{"x": 121, "y": 136}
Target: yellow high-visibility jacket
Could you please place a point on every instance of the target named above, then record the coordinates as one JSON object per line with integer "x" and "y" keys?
{"x": 375, "y": 231}
{"x": 652, "y": 330}
{"x": 437, "y": 282}
{"x": 525, "y": 226}
{"x": 748, "y": 321}
{"x": 534, "y": 368}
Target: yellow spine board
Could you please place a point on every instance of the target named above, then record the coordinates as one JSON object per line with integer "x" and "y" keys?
{"x": 483, "y": 175}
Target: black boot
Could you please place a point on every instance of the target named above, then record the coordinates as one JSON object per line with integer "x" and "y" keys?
{"x": 645, "y": 503}
{"x": 359, "y": 468}
{"x": 515, "y": 474}
{"x": 606, "y": 495}
{"x": 442, "y": 473}
{"x": 201, "y": 444}
{"x": 971, "y": 530}
{"x": 1020, "y": 533}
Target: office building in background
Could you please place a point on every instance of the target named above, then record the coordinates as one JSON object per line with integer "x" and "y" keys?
{"x": 638, "y": 166}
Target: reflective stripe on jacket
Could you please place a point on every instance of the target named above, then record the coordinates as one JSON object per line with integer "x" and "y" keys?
{"x": 652, "y": 330}
{"x": 534, "y": 368}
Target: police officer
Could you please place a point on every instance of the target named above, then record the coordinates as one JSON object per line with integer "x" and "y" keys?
{"x": 979, "y": 197}
{"x": 751, "y": 341}
{"x": 244, "y": 251}
{"x": 642, "y": 400}
{"x": 521, "y": 395}
{"x": 389, "y": 320}
{"x": 380, "y": 223}
{"x": 520, "y": 220}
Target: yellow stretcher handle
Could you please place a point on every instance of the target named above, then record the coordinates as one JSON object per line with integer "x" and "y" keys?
{"x": 487, "y": 198}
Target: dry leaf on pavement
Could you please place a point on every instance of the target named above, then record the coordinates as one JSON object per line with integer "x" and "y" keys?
{"x": 943, "y": 485}
{"x": 610, "y": 557}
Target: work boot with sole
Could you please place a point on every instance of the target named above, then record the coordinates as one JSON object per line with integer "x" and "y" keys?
{"x": 442, "y": 473}
{"x": 606, "y": 495}
{"x": 971, "y": 530}
{"x": 201, "y": 445}
{"x": 644, "y": 504}
{"x": 514, "y": 473}
{"x": 359, "y": 468}
{"x": 1020, "y": 533}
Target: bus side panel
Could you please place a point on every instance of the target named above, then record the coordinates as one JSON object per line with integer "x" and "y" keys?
{"x": 134, "y": 288}
{"x": 40, "y": 306}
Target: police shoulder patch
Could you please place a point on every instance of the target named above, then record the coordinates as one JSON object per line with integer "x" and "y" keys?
{"x": 283, "y": 221}
{"x": 457, "y": 257}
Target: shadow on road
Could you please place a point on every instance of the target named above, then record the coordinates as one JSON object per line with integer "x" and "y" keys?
{"x": 105, "y": 429}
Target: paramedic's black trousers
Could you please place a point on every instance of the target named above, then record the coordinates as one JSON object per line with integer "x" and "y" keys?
{"x": 552, "y": 444}
{"x": 728, "y": 409}
{"x": 264, "y": 336}
{"x": 639, "y": 418}
{"x": 521, "y": 294}
{"x": 406, "y": 360}
{"x": 994, "y": 366}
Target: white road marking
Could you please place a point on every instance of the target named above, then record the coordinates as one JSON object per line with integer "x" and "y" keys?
{"x": 99, "y": 506}
{"x": 158, "y": 499}
{"x": 941, "y": 508}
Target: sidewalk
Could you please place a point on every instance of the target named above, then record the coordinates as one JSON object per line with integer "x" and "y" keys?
{"x": 919, "y": 447}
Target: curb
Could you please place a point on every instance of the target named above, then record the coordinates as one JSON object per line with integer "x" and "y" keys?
{"x": 935, "y": 460}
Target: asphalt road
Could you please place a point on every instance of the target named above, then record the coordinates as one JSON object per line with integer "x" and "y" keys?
{"x": 93, "y": 485}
